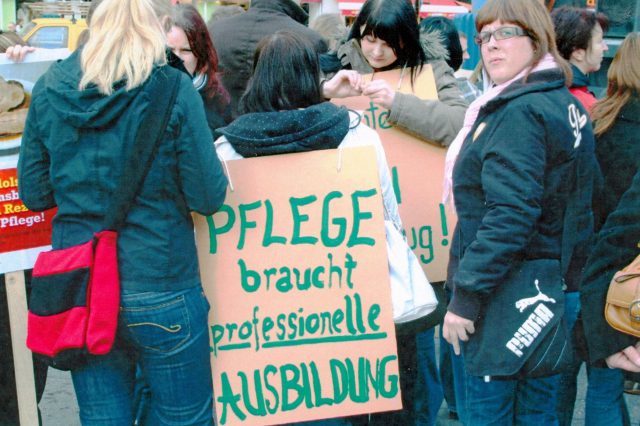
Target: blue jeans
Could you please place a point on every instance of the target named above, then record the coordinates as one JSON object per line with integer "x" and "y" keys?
{"x": 459, "y": 383}
{"x": 511, "y": 402}
{"x": 604, "y": 403}
{"x": 166, "y": 335}
{"x": 428, "y": 391}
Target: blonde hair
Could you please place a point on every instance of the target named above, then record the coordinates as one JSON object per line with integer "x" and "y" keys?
{"x": 624, "y": 82}
{"x": 532, "y": 17}
{"x": 127, "y": 38}
{"x": 331, "y": 27}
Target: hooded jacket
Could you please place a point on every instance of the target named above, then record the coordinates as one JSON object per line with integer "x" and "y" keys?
{"x": 237, "y": 37}
{"x": 523, "y": 186}
{"x": 437, "y": 121}
{"x": 321, "y": 126}
{"x": 72, "y": 157}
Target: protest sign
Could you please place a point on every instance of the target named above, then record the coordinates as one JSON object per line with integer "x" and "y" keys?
{"x": 23, "y": 234}
{"x": 295, "y": 267}
{"x": 417, "y": 169}
{"x": 20, "y": 228}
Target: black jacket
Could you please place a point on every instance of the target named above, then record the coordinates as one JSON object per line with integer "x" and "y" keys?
{"x": 237, "y": 37}
{"x": 513, "y": 180}
{"x": 72, "y": 157}
{"x": 618, "y": 215}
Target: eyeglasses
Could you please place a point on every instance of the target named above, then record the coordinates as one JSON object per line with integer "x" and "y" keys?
{"x": 499, "y": 34}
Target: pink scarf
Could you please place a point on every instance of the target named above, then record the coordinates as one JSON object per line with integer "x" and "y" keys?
{"x": 547, "y": 62}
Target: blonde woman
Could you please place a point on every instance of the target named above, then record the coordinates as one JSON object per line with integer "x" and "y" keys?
{"x": 84, "y": 116}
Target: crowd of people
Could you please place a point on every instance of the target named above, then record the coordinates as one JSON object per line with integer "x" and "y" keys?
{"x": 543, "y": 176}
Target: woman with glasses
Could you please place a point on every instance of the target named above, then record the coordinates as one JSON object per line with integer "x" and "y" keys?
{"x": 516, "y": 185}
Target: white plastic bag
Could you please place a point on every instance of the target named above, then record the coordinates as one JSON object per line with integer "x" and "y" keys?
{"x": 411, "y": 293}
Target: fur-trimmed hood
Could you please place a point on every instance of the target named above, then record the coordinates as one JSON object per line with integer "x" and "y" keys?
{"x": 433, "y": 46}
{"x": 350, "y": 53}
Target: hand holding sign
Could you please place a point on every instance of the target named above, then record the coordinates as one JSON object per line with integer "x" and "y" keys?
{"x": 380, "y": 93}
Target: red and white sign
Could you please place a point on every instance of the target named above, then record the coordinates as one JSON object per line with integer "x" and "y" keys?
{"x": 448, "y": 8}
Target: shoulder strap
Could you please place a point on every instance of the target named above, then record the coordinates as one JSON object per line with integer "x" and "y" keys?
{"x": 162, "y": 91}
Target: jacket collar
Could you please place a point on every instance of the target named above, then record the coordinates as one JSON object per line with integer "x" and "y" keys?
{"x": 288, "y": 7}
{"x": 580, "y": 79}
{"x": 535, "y": 82}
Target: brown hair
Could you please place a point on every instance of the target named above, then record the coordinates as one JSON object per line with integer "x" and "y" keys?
{"x": 532, "y": 17}
{"x": 8, "y": 39}
{"x": 624, "y": 82}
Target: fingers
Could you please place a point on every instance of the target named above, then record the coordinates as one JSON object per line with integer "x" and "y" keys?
{"x": 450, "y": 337}
{"x": 17, "y": 53}
{"x": 380, "y": 93}
{"x": 344, "y": 84}
{"x": 621, "y": 361}
{"x": 633, "y": 355}
{"x": 456, "y": 329}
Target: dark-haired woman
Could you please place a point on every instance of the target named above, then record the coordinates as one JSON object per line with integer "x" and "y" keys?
{"x": 189, "y": 40}
{"x": 283, "y": 111}
{"x": 579, "y": 36}
{"x": 385, "y": 36}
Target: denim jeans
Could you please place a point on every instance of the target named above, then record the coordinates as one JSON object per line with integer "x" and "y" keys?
{"x": 605, "y": 404}
{"x": 428, "y": 391}
{"x": 511, "y": 402}
{"x": 166, "y": 335}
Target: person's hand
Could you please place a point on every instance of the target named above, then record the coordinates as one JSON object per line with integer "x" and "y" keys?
{"x": 380, "y": 93}
{"x": 627, "y": 359}
{"x": 456, "y": 328}
{"x": 344, "y": 84}
{"x": 17, "y": 53}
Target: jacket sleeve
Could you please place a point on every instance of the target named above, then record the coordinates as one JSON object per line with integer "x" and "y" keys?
{"x": 512, "y": 179}
{"x": 34, "y": 184}
{"x": 202, "y": 179}
{"x": 617, "y": 244}
{"x": 437, "y": 121}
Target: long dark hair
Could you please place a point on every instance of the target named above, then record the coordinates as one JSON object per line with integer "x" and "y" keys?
{"x": 187, "y": 18}
{"x": 395, "y": 22}
{"x": 286, "y": 75}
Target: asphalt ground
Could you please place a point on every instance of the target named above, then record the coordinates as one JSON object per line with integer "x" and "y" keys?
{"x": 59, "y": 406}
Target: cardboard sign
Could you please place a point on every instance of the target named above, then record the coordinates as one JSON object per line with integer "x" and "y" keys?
{"x": 417, "y": 169}
{"x": 20, "y": 228}
{"x": 23, "y": 233}
{"x": 295, "y": 267}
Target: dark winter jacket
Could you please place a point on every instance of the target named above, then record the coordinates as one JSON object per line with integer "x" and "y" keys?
{"x": 321, "y": 126}
{"x": 514, "y": 177}
{"x": 618, "y": 220}
{"x": 237, "y": 37}
{"x": 580, "y": 90}
{"x": 618, "y": 152}
{"x": 217, "y": 111}
{"x": 72, "y": 157}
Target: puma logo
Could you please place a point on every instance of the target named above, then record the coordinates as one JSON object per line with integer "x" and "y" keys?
{"x": 522, "y": 304}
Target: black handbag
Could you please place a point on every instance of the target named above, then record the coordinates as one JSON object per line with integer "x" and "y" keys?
{"x": 521, "y": 331}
